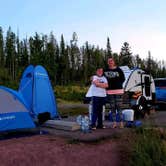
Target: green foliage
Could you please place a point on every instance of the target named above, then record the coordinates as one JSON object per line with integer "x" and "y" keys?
{"x": 125, "y": 57}
{"x": 66, "y": 63}
{"x": 150, "y": 148}
{"x": 108, "y": 50}
{"x": 73, "y": 111}
{"x": 70, "y": 93}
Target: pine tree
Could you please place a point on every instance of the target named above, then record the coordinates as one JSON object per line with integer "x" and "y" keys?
{"x": 57, "y": 62}
{"x": 51, "y": 57}
{"x": 75, "y": 58}
{"x": 137, "y": 61}
{"x": 125, "y": 57}
{"x": 88, "y": 62}
{"x": 108, "y": 51}
{"x": 2, "y": 56}
{"x": 36, "y": 49}
{"x": 24, "y": 53}
{"x": 10, "y": 51}
{"x": 149, "y": 62}
{"x": 98, "y": 58}
{"x": 63, "y": 63}
{"x": 151, "y": 65}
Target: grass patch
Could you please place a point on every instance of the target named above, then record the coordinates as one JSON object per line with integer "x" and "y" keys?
{"x": 149, "y": 148}
{"x": 70, "y": 93}
{"x": 73, "y": 111}
{"x": 69, "y": 98}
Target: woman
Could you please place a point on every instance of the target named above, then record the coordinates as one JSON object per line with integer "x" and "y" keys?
{"x": 98, "y": 90}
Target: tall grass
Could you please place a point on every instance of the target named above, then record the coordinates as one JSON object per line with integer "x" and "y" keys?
{"x": 73, "y": 111}
{"x": 70, "y": 93}
{"x": 150, "y": 148}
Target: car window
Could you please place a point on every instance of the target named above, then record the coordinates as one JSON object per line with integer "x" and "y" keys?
{"x": 160, "y": 83}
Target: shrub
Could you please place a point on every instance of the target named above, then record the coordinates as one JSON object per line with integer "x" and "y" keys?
{"x": 149, "y": 149}
{"x": 70, "y": 93}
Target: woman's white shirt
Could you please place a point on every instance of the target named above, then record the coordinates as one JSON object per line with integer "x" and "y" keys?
{"x": 97, "y": 91}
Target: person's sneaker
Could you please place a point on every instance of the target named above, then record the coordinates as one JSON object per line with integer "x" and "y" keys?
{"x": 93, "y": 128}
{"x": 101, "y": 127}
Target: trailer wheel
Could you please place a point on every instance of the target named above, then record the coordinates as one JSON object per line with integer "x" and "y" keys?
{"x": 141, "y": 106}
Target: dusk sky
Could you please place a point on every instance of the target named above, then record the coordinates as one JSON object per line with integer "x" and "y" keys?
{"x": 141, "y": 23}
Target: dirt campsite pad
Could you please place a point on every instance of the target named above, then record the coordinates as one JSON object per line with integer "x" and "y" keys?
{"x": 44, "y": 150}
{"x": 56, "y": 149}
{"x": 100, "y": 147}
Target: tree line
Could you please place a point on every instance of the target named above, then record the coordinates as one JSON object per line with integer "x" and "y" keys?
{"x": 65, "y": 63}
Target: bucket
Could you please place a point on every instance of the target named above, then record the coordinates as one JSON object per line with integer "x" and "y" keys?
{"x": 128, "y": 115}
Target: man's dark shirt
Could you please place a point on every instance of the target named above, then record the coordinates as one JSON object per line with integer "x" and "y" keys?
{"x": 115, "y": 78}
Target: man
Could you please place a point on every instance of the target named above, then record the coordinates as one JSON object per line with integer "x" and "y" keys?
{"x": 115, "y": 77}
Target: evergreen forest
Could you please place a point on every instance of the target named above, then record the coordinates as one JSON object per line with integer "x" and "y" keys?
{"x": 67, "y": 63}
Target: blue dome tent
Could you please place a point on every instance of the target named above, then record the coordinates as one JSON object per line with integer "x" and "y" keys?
{"x": 13, "y": 112}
